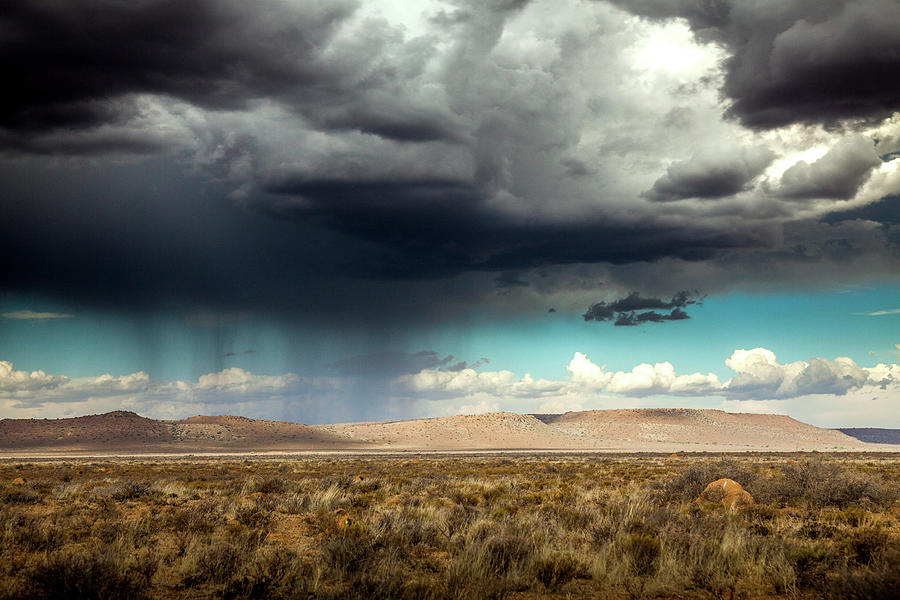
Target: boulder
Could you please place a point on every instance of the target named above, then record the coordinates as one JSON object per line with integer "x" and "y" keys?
{"x": 18, "y": 481}
{"x": 728, "y": 492}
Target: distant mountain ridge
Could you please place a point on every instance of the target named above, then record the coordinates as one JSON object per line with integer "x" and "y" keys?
{"x": 660, "y": 430}
{"x": 873, "y": 435}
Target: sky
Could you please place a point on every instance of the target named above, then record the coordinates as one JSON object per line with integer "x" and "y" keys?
{"x": 370, "y": 210}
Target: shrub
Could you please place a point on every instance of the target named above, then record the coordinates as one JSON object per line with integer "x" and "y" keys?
{"x": 21, "y": 532}
{"x": 131, "y": 490}
{"x": 348, "y": 550}
{"x": 273, "y": 574}
{"x": 810, "y": 563}
{"x": 200, "y": 518}
{"x": 555, "y": 570}
{"x": 270, "y": 485}
{"x": 863, "y": 547}
{"x": 642, "y": 552}
{"x": 820, "y": 484}
{"x": 253, "y": 516}
{"x": 878, "y": 582}
{"x": 214, "y": 563}
{"x": 88, "y": 576}
{"x": 505, "y": 552}
{"x": 19, "y": 495}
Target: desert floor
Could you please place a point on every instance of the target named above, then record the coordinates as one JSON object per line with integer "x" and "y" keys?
{"x": 462, "y": 525}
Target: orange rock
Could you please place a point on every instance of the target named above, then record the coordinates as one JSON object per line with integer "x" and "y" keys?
{"x": 18, "y": 481}
{"x": 728, "y": 492}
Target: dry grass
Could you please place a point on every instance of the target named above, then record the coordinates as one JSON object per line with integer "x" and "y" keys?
{"x": 441, "y": 527}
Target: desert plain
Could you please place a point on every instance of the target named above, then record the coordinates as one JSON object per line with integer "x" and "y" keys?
{"x": 117, "y": 506}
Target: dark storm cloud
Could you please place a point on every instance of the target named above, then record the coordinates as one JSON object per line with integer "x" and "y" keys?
{"x": 798, "y": 61}
{"x": 625, "y": 311}
{"x": 175, "y": 243}
{"x": 82, "y": 66}
{"x": 334, "y": 166}
{"x": 632, "y": 319}
{"x": 838, "y": 174}
{"x": 67, "y": 64}
{"x": 711, "y": 175}
{"x": 439, "y": 228}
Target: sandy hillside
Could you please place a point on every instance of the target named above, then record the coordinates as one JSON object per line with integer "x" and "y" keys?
{"x": 639, "y": 430}
{"x": 662, "y": 430}
{"x": 123, "y": 431}
{"x": 494, "y": 430}
{"x": 689, "y": 427}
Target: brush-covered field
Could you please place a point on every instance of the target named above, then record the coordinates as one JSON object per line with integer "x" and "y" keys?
{"x": 514, "y": 526}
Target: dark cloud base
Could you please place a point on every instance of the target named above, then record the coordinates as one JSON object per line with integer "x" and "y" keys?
{"x": 626, "y": 311}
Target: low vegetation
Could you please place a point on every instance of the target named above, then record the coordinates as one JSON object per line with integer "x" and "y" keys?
{"x": 450, "y": 527}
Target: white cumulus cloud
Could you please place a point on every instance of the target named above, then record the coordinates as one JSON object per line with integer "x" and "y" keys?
{"x": 760, "y": 375}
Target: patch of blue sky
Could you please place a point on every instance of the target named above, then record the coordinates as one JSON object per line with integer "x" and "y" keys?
{"x": 169, "y": 346}
{"x": 795, "y": 326}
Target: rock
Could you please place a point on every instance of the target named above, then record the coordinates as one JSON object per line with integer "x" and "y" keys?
{"x": 728, "y": 492}
{"x": 18, "y": 481}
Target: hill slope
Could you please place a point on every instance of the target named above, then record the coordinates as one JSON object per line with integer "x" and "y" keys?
{"x": 122, "y": 431}
{"x": 659, "y": 430}
{"x": 488, "y": 431}
{"x": 698, "y": 427}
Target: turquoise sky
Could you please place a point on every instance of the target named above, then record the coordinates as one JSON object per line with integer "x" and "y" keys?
{"x": 794, "y": 326}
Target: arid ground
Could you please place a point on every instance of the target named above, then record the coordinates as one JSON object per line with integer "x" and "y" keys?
{"x": 461, "y": 526}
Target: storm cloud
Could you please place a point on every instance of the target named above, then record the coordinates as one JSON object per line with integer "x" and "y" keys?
{"x": 330, "y": 162}
{"x": 802, "y": 61}
{"x": 838, "y": 174}
{"x": 626, "y": 311}
{"x": 711, "y": 175}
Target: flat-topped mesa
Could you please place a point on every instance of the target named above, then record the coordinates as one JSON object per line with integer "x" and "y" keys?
{"x": 119, "y": 414}
{"x": 644, "y": 429}
{"x": 676, "y": 414}
{"x": 210, "y": 419}
{"x": 688, "y": 427}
